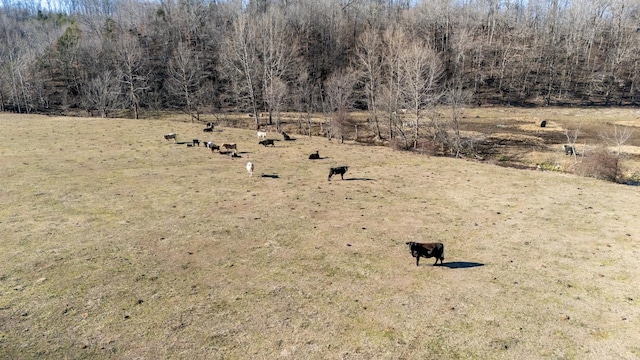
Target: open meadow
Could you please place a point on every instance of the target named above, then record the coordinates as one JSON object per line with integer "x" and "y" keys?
{"x": 118, "y": 244}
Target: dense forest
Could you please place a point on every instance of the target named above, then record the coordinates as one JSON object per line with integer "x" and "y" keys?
{"x": 385, "y": 57}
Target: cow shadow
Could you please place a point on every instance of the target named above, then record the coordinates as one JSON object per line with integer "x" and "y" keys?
{"x": 359, "y": 179}
{"x": 272, "y": 176}
{"x": 461, "y": 264}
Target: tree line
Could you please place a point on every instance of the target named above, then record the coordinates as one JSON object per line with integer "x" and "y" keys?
{"x": 269, "y": 56}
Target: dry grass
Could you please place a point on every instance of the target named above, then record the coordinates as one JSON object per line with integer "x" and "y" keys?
{"x": 515, "y": 137}
{"x": 119, "y": 244}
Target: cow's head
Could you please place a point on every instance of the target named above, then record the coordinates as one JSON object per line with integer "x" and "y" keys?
{"x": 412, "y": 248}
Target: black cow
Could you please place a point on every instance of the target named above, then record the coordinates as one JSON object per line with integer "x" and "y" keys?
{"x": 427, "y": 250}
{"x": 314, "y": 156}
{"x": 569, "y": 149}
{"x": 209, "y": 127}
{"x": 212, "y": 146}
{"x": 196, "y": 142}
{"x": 338, "y": 170}
{"x": 287, "y": 137}
{"x": 266, "y": 142}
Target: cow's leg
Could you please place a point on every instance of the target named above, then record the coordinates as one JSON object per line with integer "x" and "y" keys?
{"x": 436, "y": 263}
{"x": 418, "y": 260}
{"x": 342, "y": 176}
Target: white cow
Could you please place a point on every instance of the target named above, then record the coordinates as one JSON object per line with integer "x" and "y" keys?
{"x": 250, "y": 168}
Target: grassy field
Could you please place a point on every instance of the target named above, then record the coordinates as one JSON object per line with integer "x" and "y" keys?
{"x": 118, "y": 244}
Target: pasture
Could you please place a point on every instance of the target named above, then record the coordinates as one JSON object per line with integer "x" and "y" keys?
{"x": 117, "y": 243}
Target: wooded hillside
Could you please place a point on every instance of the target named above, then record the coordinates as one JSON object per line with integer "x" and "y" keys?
{"x": 315, "y": 55}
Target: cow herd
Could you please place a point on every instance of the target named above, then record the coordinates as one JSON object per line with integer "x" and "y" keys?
{"x": 231, "y": 149}
{"x": 418, "y": 250}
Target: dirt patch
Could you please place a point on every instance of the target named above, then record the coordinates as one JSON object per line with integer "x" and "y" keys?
{"x": 550, "y": 126}
{"x": 515, "y": 139}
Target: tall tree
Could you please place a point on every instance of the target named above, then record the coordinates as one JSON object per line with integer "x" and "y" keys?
{"x": 67, "y": 57}
{"x": 185, "y": 77}
{"x": 278, "y": 56}
{"x": 303, "y": 99}
{"x": 15, "y": 76}
{"x": 133, "y": 72}
{"x": 369, "y": 57}
{"x": 457, "y": 97}
{"x": 339, "y": 88}
{"x": 103, "y": 93}
{"x": 391, "y": 97}
{"x": 241, "y": 58}
{"x": 421, "y": 70}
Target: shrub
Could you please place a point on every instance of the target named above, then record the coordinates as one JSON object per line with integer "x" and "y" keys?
{"x": 399, "y": 143}
{"x": 600, "y": 164}
{"x": 424, "y": 146}
{"x": 428, "y": 146}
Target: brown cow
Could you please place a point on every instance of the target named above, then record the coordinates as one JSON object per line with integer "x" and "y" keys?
{"x": 230, "y": 146}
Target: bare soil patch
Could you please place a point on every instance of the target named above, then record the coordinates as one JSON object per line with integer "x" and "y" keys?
{"x": 119, "y": 244}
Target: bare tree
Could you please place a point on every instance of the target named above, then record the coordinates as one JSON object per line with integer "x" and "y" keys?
{"x": 457, "y": 98}
{"x": 133, "y": 71}
{"x": 421, "y": 70}
{"x": 103, "y": 93}
{"x": 15, "y": 73}
{"x": 339, "y": 88}
{"x": 369, "y": 57}
{"x": 391, "y": 98}
{"x": 241, "y": 58}
{"x": 572, "y": 139}
{"x": 601, "y": 162}
{"x": 185, "y": 77}
{"x": 276, "y": 92}
{"x": 278, "y": 55}
{"x": 618, "y": 137}
{"x": 302, "y": 98}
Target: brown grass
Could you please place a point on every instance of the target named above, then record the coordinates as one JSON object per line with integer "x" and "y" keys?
{"x": 119, "y": 244}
